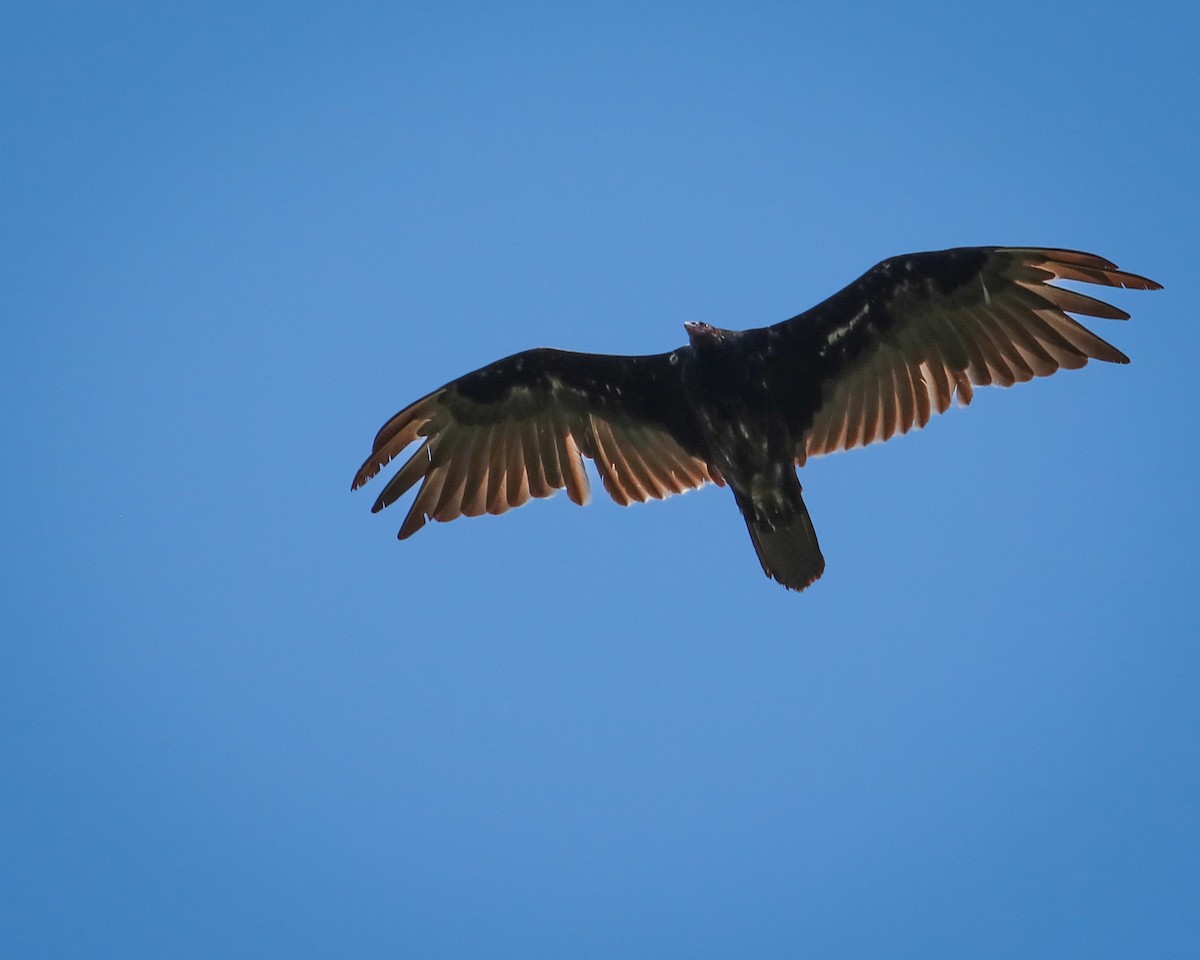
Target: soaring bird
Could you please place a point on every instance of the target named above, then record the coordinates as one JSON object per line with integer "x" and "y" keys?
{"x": 744, "y": 408}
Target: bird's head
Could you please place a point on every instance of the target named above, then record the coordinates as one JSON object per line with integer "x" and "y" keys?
{"x": 704, "y": 334}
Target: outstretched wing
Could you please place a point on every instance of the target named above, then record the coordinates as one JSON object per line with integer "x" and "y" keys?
{"x": 516, "y": 429}
{"x": 897, "y": 344}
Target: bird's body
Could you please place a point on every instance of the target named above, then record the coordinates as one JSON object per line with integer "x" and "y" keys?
{"x": 732, "y": 380}
{"x": 744, "y": 408}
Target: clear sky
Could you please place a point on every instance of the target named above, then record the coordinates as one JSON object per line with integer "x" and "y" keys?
{"x": 239, "y": 719}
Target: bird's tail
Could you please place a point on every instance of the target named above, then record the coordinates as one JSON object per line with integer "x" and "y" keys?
{"x": 784, "y": 539}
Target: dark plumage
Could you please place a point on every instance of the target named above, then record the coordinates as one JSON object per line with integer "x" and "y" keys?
{"x": 744, "y": 408}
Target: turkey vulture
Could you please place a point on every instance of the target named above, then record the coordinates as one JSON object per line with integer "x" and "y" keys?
{"x": 743, "y": 408}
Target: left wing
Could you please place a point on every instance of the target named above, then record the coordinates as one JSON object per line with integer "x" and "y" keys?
{"x": 897, "y": 344}
{"x": 516, "y": 429}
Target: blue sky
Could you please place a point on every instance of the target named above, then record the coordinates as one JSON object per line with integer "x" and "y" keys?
{"x": 241, "y": 720}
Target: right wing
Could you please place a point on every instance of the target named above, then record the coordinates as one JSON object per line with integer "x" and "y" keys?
{"x": 895, "y": 346}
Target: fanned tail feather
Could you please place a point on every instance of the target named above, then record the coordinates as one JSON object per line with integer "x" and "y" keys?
{"x": 784, "y": 539}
